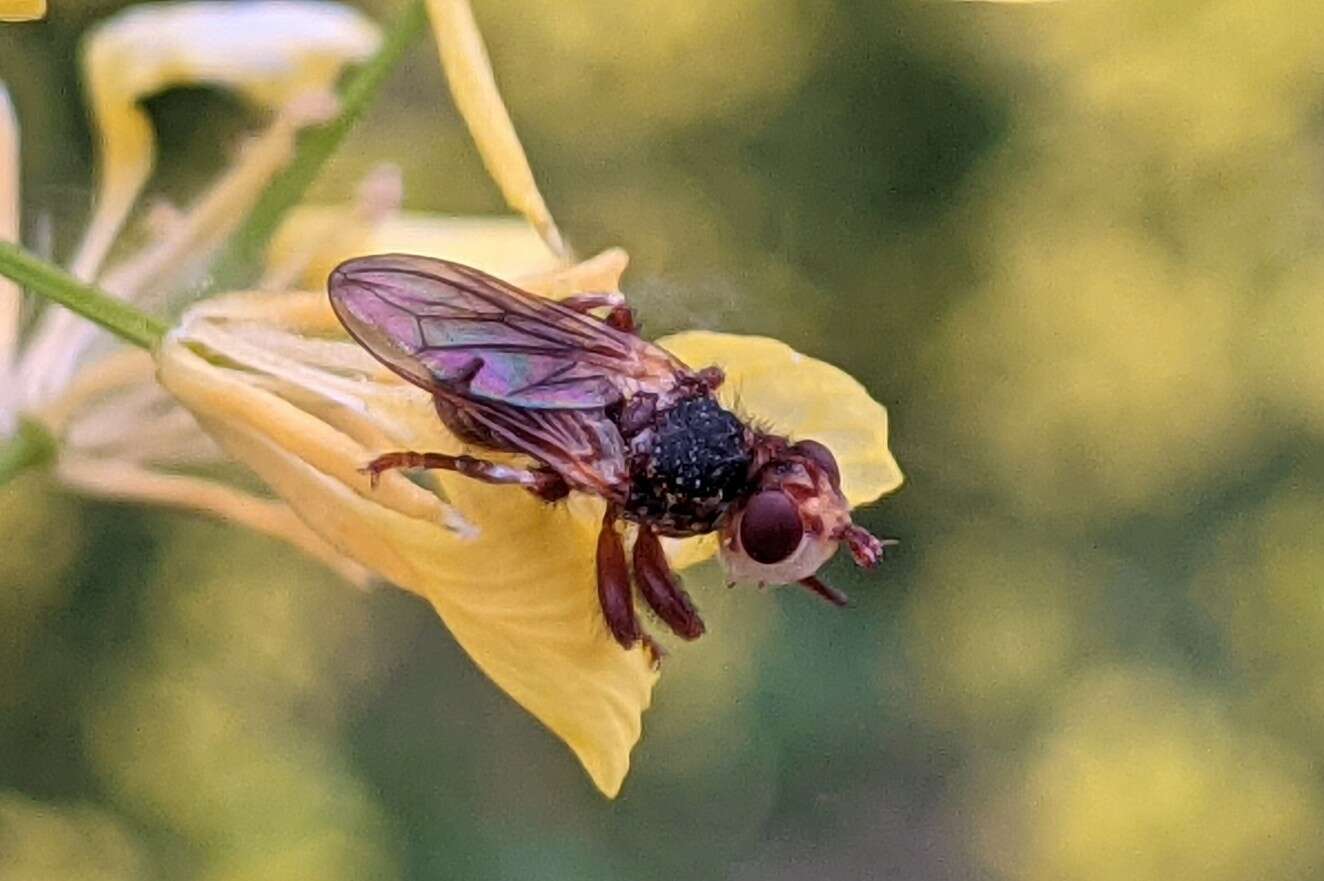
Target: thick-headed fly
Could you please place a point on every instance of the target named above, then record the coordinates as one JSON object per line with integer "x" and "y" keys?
{"x": 600, "y": 410}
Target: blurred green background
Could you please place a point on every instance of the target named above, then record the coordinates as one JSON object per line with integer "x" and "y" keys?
{"x": 1074, "y": 247}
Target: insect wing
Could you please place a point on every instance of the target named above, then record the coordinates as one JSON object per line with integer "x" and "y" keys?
{"x": 583, "y": 446}
{"x": 441, "y": 325}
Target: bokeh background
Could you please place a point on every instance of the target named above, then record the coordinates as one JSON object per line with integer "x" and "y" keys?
{"x": 1075, "y": 248}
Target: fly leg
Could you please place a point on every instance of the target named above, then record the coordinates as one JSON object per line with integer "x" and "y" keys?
{"x": 713, "y": 377}
{"x": 586, "y": 302}
{"x": 864, "y": 547}
{"x": 614, "y": 584}
{"x": 826, "y": 591}
{"x": 620, "y": 317}
{"x": 544, "y": 484}
{"x": 638, "y": 413}
{"x": 660, "y": 588}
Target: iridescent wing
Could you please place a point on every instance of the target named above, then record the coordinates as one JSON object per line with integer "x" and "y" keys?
{"x": 444, "y": 326}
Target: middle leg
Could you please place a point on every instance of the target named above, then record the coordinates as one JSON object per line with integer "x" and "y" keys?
{"x": 614, "y": 594}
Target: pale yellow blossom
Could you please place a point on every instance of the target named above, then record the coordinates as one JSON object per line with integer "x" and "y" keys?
{"x": 273, "y": 379}
{"x": 271, "y": 52}
{"x": 283, "y": 55}
{"x": 119, "y": 433}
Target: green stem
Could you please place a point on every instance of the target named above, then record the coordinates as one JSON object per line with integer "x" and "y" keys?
{"x": 243, "y": 254}
{"x": 30, "y": 447}
{"x": 53, "y": 283}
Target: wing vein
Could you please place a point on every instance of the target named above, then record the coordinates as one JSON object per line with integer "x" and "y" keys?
{"x": 447, "y": 327}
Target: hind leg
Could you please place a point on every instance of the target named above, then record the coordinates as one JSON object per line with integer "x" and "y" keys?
{"x": 620, "y": 317}
{"x": 660, "y": 588}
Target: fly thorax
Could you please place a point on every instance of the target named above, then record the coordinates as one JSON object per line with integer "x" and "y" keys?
{"x": 688, "y": 467}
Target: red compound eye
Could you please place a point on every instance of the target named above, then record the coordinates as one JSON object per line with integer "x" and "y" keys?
{"x": 770, "y": 528}
{"x": 821, "y": 456}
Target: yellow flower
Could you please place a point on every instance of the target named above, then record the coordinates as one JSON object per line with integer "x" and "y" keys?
{"x": 273, "y": 379}
{"x": 119, "y": 433}
{"x": 268, "y": 52}
{"x": 288, "y": 64}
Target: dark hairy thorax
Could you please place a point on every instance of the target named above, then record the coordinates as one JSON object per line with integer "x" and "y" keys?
{"x": 688, "y": 465}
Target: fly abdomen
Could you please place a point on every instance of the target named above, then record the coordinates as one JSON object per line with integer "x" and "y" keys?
{"x": 688, "y": 467}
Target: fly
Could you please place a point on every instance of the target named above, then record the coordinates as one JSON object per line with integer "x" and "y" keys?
{"x": 600, "y": 410}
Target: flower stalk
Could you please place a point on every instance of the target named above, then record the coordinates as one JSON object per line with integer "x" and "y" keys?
{"x": 32, "y": 445}
{"x": 236, "y": 265}
{"x": 53, "y": 283}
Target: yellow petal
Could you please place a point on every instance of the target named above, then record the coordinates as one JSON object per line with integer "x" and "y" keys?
{"x": 683, "y": 553}
{"x": 469, "y": 73}
{"x": 801, "y": 397}
{"x": 600, "y": 274}
{"x": 130, "y": 482}
{"x": 270, "y": 52}
{"x": 22, "y": 10}
{"x": 517, "y": 590}
{"x": 504, "y": 246}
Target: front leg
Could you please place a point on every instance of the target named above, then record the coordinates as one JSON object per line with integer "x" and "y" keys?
{"x": 545, "y": 484}
{"x": 614, "y": 584}
{"x": 864, "y": 547}
{"x": 826, "y": 591}
{"x": 660, "y": 588}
